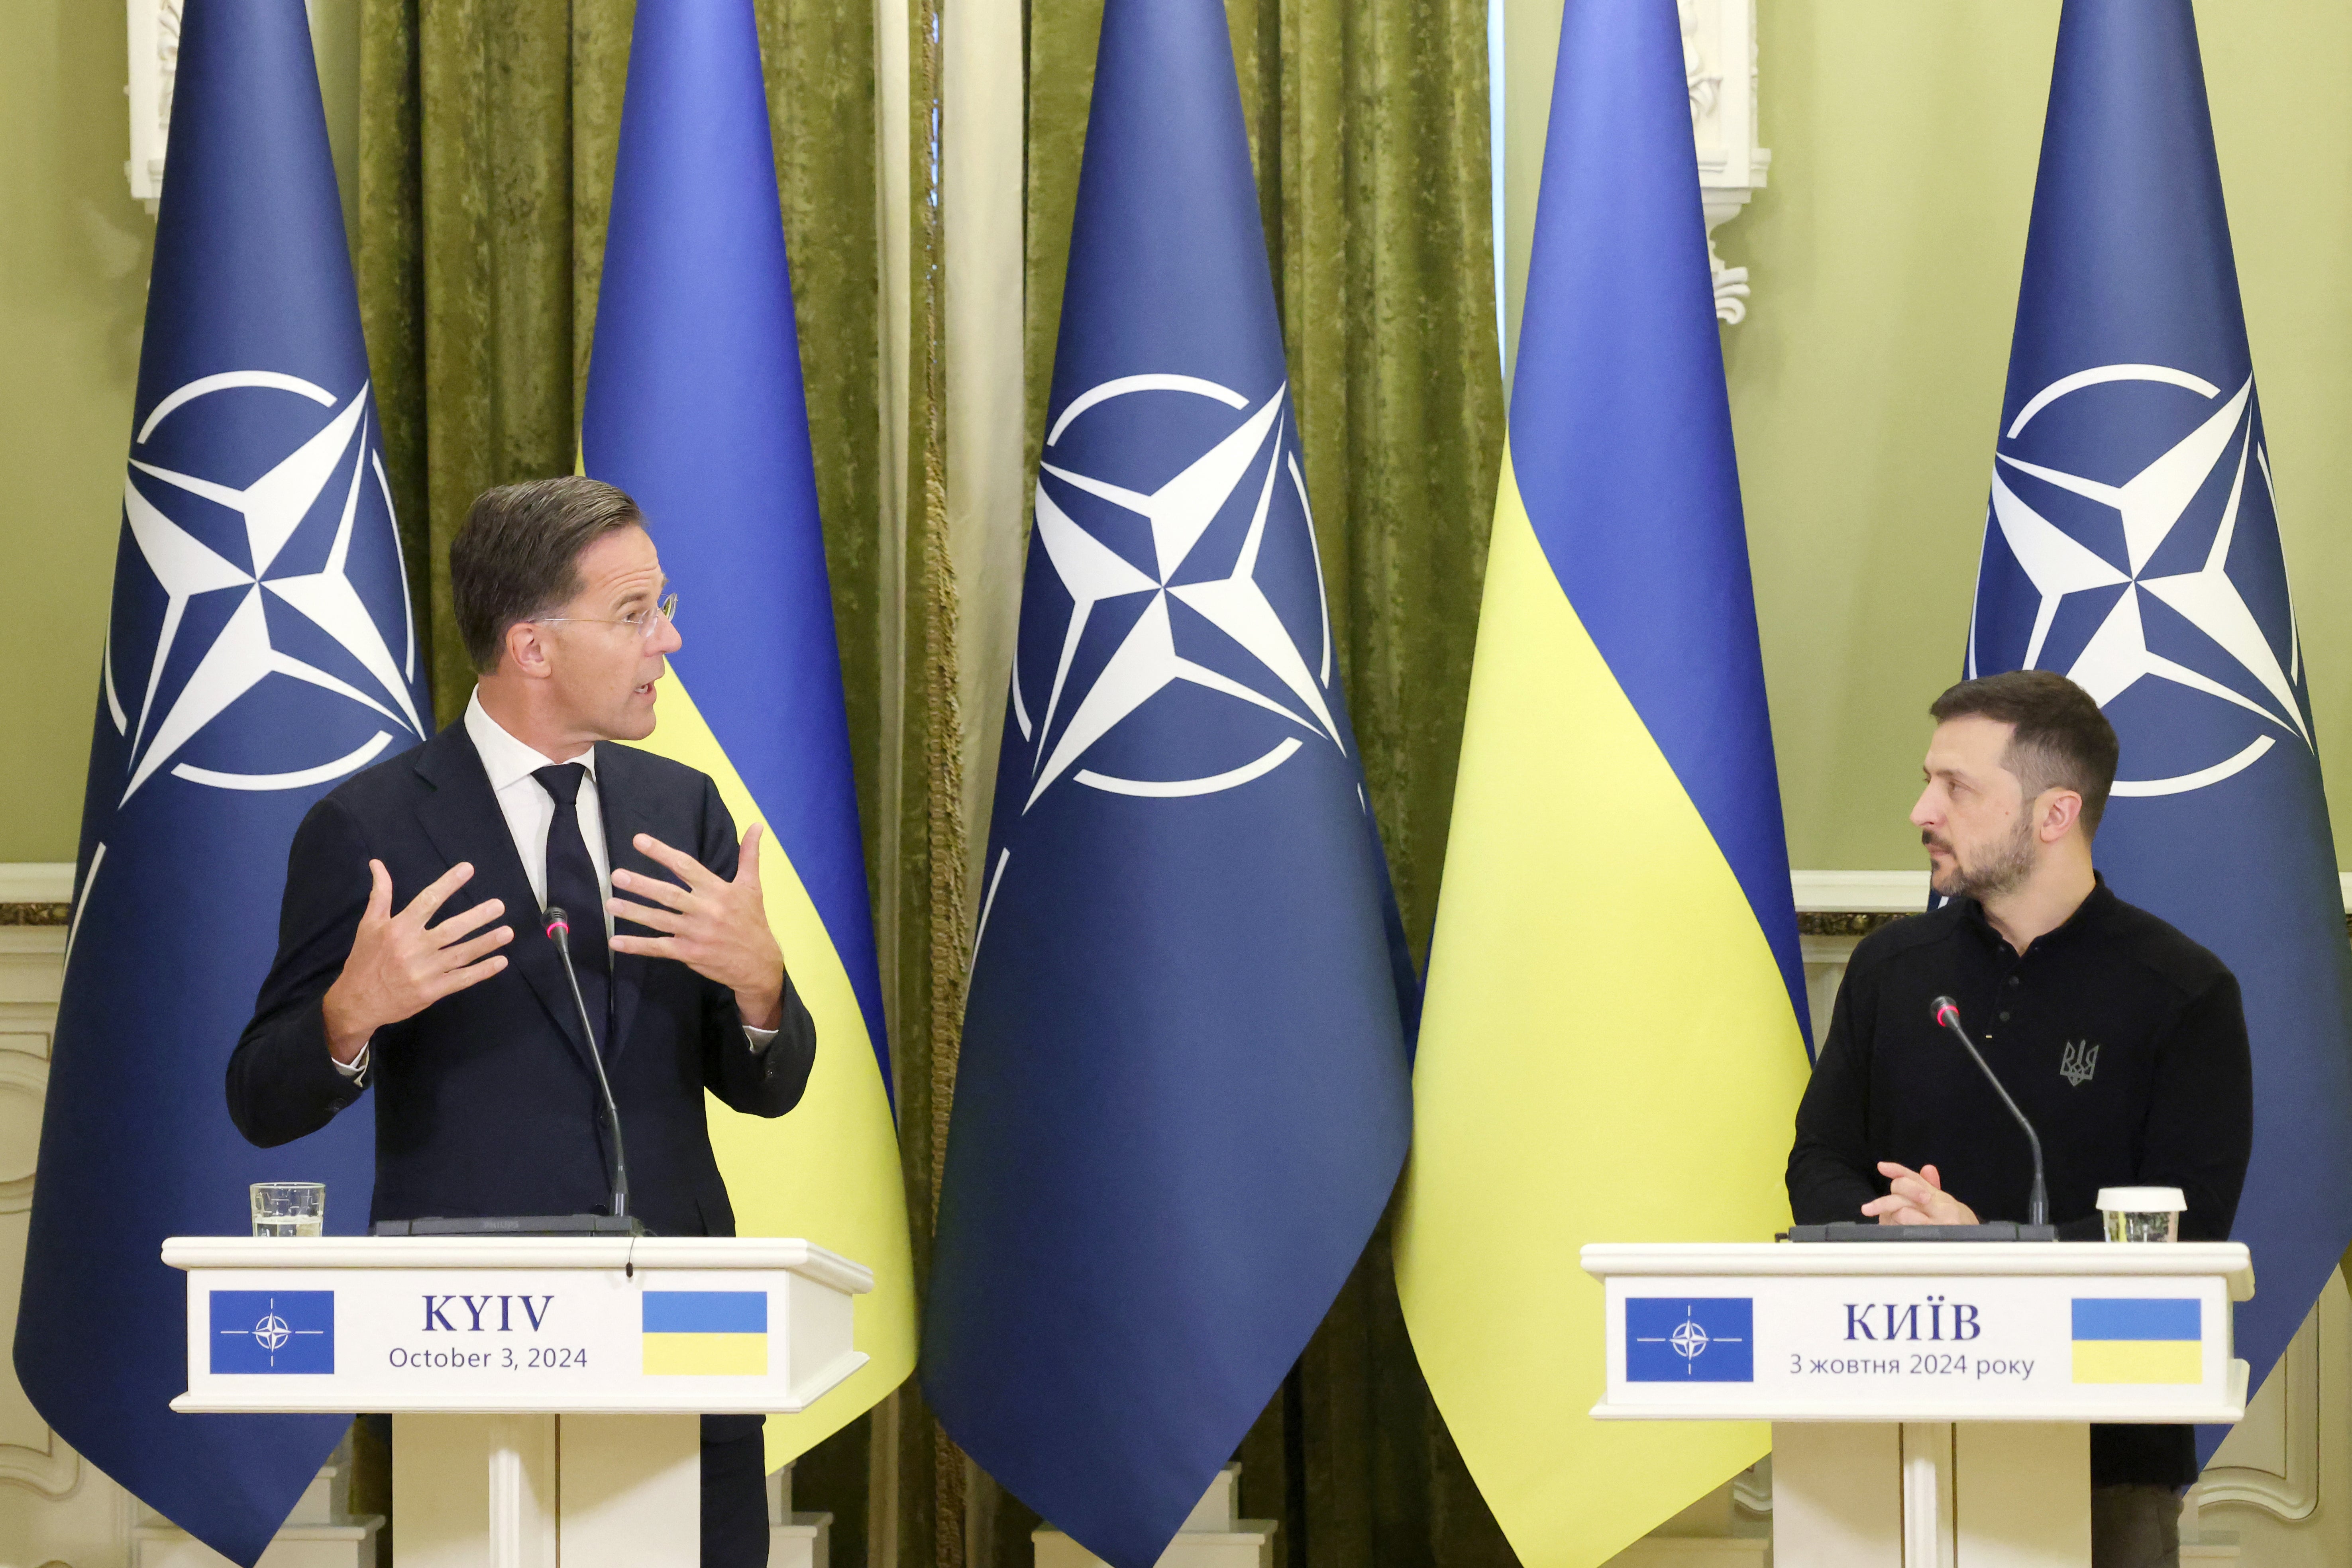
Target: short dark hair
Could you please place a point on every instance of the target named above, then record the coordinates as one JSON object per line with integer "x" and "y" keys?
{"x": 518, "y": 557}
{"x": 2061, "y": 741}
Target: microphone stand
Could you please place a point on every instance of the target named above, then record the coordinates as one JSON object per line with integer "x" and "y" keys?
{"x": 559, "y": 931}
{"x": 2037, "y": 1203}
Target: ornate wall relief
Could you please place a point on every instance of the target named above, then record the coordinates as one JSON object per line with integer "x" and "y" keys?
{"x": 154, "y": 37}
{"x": 1719, "y": 64}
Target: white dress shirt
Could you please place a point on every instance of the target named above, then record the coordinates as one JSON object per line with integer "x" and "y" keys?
{"x": 530, "y": 812}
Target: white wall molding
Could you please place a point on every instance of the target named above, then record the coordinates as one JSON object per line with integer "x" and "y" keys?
{"x": 1719, "y": 66}
{"x": 1866, "y": 892}
{"x": 36, "y": 882}
{"x": 1860, "y": 892}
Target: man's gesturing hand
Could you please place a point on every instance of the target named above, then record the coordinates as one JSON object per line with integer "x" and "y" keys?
{"x": 1918, "y": 1198}
{"x": 399, "y": 966}
{"x": 717, "y": 927}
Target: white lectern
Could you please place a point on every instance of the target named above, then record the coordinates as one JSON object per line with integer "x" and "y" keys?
{"x": 1930, "y": 1402}
{"x": 544, "y": 1390}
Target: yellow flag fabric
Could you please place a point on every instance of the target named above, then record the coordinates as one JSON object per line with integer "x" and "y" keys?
{"x": 695, "y": 408}
{"x": 1613, "y": 1043}
{"x": 1608, "y": 1054}
{"x": 829, "y": 1170}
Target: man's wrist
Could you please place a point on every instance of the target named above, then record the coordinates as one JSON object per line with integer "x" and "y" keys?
{"x": 763, "y": 1009}
{"x": 347, "y": 1033}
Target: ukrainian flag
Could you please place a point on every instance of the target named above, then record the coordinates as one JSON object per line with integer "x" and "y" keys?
{"x": 706, "y": 1334}
{"x": 2124, "y": 1340}
{"x": 1613, "y": 1042}
{"x": 695, "y": 408}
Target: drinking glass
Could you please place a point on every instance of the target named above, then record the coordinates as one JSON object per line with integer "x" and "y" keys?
{"x": 289, "y": 1208}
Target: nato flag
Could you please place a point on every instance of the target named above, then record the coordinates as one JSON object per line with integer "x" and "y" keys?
{"x": 1183, "y": 1098}
{"x": 2133, "y": 544}
{"x": 259, "y": 650}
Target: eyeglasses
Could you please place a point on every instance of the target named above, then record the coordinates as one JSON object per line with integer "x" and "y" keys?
{"x": 646, "y": 624}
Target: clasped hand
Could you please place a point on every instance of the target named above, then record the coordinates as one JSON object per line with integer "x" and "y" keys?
{"x": 1917, "y": 1198}
{"x": 715, "y": 926}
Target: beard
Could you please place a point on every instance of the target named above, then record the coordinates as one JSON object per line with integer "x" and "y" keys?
{"x": 2001, "y": 868}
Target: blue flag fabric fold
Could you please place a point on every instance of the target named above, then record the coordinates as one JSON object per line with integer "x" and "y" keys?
{"x": 1183, "y": 1096}
{"x": 695, "y": 406}
{"x": 2132, "y": 543}
{"x": 260, "y": 648}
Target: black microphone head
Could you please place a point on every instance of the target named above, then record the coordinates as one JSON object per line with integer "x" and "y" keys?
{"x": 1947, "y": 1011}
{"x": 557, "y": 923}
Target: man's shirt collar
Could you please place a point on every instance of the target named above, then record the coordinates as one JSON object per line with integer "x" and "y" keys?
{"x": 507, "y": 760}
{"x": 2088, "y": 913}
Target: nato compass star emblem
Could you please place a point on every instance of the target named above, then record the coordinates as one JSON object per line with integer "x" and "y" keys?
{"x": 256, "y": 581}
{"x": 2133, "y": 572}
{"x": 1192, "y": 612}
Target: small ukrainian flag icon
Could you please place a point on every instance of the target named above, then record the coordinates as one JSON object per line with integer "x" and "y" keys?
{"x": 2138, "y": 1340}
{"x": 706, "y": 1334}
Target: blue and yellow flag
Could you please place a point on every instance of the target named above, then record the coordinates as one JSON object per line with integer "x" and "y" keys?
{"x": 695, "y": 408}
{"x": 1613, "y": 1041}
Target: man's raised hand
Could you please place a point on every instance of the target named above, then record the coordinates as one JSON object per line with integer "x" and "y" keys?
{"x": 717, "y": 927}
{"x": 400, "y": 965}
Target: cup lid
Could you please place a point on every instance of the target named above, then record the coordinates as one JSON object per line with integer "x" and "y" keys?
{"x": 2142, "y": 1199}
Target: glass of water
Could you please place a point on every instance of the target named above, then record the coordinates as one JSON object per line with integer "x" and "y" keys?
{"x": 289, "y": 1208}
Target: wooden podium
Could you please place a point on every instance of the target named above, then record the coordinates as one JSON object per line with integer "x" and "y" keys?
{"x": 545, "y": 1391}
{"x": 1930, "y": 1402}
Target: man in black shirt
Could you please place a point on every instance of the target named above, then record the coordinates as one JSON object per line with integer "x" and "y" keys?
{"x": 2121, "y": 1039}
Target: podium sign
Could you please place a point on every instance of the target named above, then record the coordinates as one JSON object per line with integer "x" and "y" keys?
{"x": 1931, "y": 1402}
{"x": 1948, "y": 1331}
{"x": 545, "y": 1324}
{"x": 480, "y": 1346}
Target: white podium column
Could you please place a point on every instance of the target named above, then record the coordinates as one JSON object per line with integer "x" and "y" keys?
{"x": 473, "y": 1491}
{"x": 1837, "y": 1494}
{"x": 1931, "y": 1494}
{"x": 631, "y": 1490}
{"x": 2023, "y": 1495}
{"x": 547, "y": 1491}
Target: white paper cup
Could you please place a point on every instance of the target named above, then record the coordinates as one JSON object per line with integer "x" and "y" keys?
{"x": 2142, "y": 1214}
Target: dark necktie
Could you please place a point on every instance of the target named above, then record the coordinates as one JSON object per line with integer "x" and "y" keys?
{"x": 572, "y": 884}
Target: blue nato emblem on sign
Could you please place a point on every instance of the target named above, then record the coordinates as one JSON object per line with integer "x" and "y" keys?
{"x": 1683, "y": 1338}
{"x": 274, "y": 1331}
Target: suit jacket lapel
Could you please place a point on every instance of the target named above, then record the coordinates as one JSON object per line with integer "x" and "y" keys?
{"x": 622, "y": 806}
{"x": 463, "y": 819}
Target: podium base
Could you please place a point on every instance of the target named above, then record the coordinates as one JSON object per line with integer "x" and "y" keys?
{"x": 1868, "y": 1494}
{"x": 547, "y": 1491}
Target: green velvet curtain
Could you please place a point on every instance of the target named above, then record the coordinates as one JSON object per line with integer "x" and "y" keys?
{"x": 486, "y": 154}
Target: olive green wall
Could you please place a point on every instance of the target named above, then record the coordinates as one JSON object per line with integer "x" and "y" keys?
{"x": 1865, "y": 381}
{"x": 74, "y": 254}
{"x": 73, "y": 282}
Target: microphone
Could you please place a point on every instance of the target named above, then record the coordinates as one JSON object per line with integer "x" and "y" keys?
{"x": 559, "y": 931}
{"x": 2037, "y": 1203}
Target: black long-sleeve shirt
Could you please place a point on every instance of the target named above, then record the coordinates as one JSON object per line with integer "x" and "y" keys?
{"x": 2125, "y": 1043}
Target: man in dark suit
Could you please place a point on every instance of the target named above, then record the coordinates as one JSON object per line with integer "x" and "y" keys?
{"x": 487, "y": 1101}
